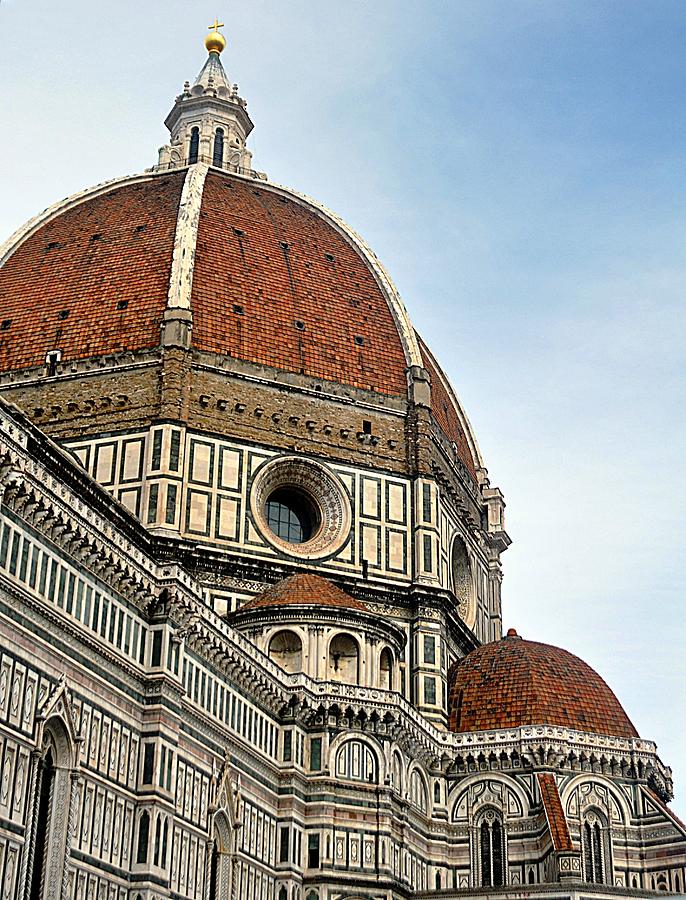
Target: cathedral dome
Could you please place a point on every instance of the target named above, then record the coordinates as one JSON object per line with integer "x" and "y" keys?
{"x": 513, "y": 682}
{"x": 264, "y": 276}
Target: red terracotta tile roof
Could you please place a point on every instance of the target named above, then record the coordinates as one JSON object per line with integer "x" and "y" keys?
{"x": 513, "y": 682}
{"x": 64, "y": 285}
{"x": 282, "y": 264}
{"x": 304, "y": 590}
{"x": 557, "y": 823}
{"x": 274, "y": 284}
{"x": 444, "y": 412}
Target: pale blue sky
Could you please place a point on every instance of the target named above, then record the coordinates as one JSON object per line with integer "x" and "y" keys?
{"x": 519, "y": 168}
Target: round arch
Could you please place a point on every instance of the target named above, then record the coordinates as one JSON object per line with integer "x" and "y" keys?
{"x": 344, "y": 658}
{"x": 578, "y": 781}
{"x": 366, "y": 740}
{"x": 285, "y": 648}
{"x": 522, "y": 794}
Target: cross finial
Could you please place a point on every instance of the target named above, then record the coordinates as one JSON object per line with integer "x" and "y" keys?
{"x": 215, "y": 40}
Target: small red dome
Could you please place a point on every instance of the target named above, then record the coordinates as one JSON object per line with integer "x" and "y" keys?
{"x": 513, "y": 682}
{"x": 304, "y": 590}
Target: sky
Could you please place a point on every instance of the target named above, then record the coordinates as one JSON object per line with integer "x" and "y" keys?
{"x": 519, "y": 168}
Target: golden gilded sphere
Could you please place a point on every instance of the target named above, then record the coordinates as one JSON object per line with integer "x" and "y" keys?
{"x": 215, "y": 42}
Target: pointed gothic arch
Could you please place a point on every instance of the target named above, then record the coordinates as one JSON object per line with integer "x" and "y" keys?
{"x": 52, "y": 798}
{"x": 224, "y": 820}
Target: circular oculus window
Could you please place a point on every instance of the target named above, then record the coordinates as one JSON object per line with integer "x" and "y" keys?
{"x": 300, "y": 507}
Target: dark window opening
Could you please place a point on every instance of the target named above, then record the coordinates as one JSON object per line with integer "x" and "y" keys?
{"x": 122, "y": 304}
{"x": 313, "y": 851}
{"x": 63, "y": 314}
{"x": 96, "y": 237}
{"x": 238, "y": 232}
{"x": 143, "y": 837}
{"x": 284, "y": 845}
{"x": 366, "y": 426}
{"x": 316, "y": 754}
{"x": 592, "y": 846}
{"x": 359, "y": 340}
{"x": 157, "y": 449}
{"x": 194, "y": 145}
{"x": 429, "y": 649}
{"x": 214, "y": 871}
{"x": 299, "y": 325}
{"x": 218, "y": 151}
{"x": 148, "y": 761}
{"x": 43, "y": 823}
{"x": 6, "y": 324}
{"x": 170, "y": 512}
{"x": 292, "y": 515}
{"x": 329, "y": 256}
{"x": 429, "y": 690}
{"x": 174, "y": 450}
{"x": 492, "y": 853}
{"x": 238, "y": 309}
{"x": 152, "y": 503}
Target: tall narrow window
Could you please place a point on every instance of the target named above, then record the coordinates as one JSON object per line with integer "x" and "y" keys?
{"x": 214, "y": 871}
{"x": 492, "y": 850}
{"x": 313, "y": 851}
{"x": 143, "y": 837}
{"x": 47, "y": 778}
{"x": 592, "y": 846}
{"x": 218, "y": 151}
{"x": 195, "y": 145}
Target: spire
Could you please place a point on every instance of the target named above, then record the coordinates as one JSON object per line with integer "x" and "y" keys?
{"x": 209, "y": 122}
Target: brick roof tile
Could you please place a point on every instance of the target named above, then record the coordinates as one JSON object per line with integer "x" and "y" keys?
{"x": 513, "y": 682}
{"x": 557, "y": 822}
{"x": 282, "y": 263}
{"x": 105, "y": 263}
{"x": 304, "y": 590}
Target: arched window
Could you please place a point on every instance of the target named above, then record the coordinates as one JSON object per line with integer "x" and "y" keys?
{"x": 218, "y": 150}
{"x": 397, "y": 772}
{"x": 158, "y": 836}
{"x": 418, "y": 793}
{"x": 593, "y": 847}
{"x": 143, "y": 837}
{"x": 356, "y": 761}
{"x": 194, "y": 146}
{"x": 165, "y": 837}
{"x": 218, "y": 872}
{"x": 344, "y": 655}
{"x": 386, "y": 669}
{"x": 286, "y": 649}
{"x": 53, "y": 795}
{"x": 283, "y": 893}
{"x": 491, "y": 849}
